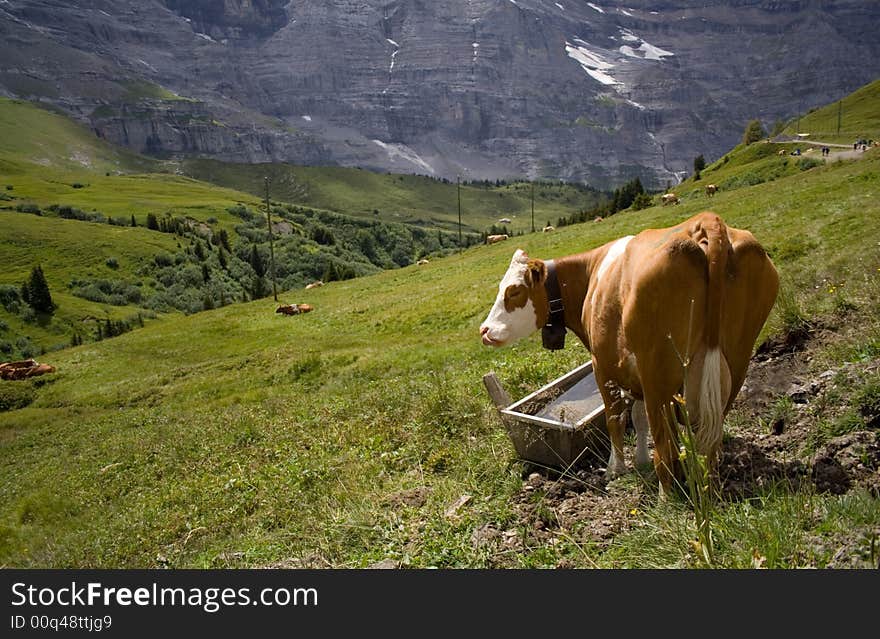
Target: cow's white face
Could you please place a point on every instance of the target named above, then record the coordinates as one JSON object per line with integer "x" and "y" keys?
{"x": 513, "y": 316}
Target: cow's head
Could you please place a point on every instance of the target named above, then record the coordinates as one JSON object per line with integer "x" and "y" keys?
{"x": 521, "y": 306}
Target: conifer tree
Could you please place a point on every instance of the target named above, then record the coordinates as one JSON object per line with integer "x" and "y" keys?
{"x": 35, "y": 292}
{"x": 699, "y": 165}
{"x": 256, "y": 261}
{"x": 224, "y": 240}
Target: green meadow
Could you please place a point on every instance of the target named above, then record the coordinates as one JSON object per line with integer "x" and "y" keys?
{"x": 852, "y": 118}
{"x": 239, "y": 437}
{"x": 403, "y": 198}
{"x": 50, "y": 164}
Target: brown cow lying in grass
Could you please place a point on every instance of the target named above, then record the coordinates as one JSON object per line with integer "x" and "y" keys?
{"x": 294, "y": 309}
{"x": 24, "y": 369}
{"x": 670, "y": 317}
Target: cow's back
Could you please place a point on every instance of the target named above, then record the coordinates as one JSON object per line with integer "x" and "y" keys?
{"x": 660, "y": 288}
{"x": 751, "y": 287}
{"x": 663, "y": 290}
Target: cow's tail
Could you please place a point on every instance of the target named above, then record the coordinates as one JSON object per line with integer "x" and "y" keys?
{"x": 712, "y": 402}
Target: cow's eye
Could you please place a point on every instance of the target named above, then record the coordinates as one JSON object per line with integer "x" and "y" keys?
{"x": 515, "y": 297}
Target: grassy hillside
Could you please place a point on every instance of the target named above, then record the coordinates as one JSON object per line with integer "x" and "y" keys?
{"x": 759, "y": 163}
{"x": 36, "y": 136}
{"x": 858, "y": 117}
{"x": 750, "y": 165}
{"x": 67, "y": 250}
{"x": 51, "y": 168}
{"x": 401, "y": 198}
{"x": 240, "y": 437}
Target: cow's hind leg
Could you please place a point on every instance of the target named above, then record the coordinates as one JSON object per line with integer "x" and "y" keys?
{"x": 615, "y": 420}
{"x": 660, "y": 380}
{"x": 640, "y": 423}
{"x": 664, "y": 432}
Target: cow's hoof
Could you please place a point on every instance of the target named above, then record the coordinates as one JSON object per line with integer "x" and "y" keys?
{"x": 613, "y": 473}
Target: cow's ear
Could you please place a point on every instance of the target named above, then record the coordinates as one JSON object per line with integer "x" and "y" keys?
{"x": 537, "y": 271}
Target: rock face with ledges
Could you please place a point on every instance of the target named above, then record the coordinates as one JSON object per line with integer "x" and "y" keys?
{"x": 596, "y": 91}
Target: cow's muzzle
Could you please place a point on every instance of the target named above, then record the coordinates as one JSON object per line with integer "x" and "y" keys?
{"x": 487, "y": 339}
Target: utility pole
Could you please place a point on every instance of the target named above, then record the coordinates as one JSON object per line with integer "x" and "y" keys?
{"x": 271, "y": 243}
{"x": 533, "y": 206}
{"x": 839, "y": 109}
{"x": 458, "y": 183}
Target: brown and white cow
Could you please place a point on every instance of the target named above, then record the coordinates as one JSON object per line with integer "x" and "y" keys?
{"x": 24, "y": 369}
{"x": 711, "y": 189}
{"x": 667, "y": 312}
{"x": 494, "y": 239}
{"x": 669, "y": 198}
{"x": 294, "y": 309}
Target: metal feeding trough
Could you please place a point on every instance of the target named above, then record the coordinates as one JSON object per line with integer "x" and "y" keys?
{"x": 562, "y": 424}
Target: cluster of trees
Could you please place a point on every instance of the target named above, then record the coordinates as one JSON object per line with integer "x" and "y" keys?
{"x": 632, "y": 194}
{"x": 107, "y": 328}
{"x": 754, "y": 132}
{"x": 33, "y": 293}
{"x": 72, "y": 213}
{"x": 21, "y": 348}
{"x": 497, "y": 183}
{"x": 208, "y": 271}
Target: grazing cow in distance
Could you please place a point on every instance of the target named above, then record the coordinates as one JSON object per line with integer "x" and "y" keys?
{"x": 504, "y": 220}
{"x": 711, "y": 189}
{"x": 493, "y": 239}
{"x": 315, "y": 284}
{"x": 669, "y": 198}
{"x": 294, "y": 309}
{"x": 422, "y": 261}
{"x": 548, "y": 229}
{"x": 666, "y": 314}
{"x": 598, "y": 218}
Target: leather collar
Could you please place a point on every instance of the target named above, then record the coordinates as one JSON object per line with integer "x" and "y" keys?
{"x": 553, "y": 332}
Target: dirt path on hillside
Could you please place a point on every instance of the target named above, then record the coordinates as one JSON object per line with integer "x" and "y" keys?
{"x": 836, "y": 150}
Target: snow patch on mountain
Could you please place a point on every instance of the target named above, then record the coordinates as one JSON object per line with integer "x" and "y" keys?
{"x": 591, "y": 62}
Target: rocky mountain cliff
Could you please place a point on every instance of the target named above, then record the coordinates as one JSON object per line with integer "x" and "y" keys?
{"x": 595, "y": 91}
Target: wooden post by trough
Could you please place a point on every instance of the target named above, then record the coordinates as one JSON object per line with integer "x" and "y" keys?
{"x": 562, "y": 424}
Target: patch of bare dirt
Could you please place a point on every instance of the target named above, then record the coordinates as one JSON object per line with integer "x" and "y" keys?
{"x": 764, "y": 446}
{"x": 413, "y": 497}
{"x": 579, "y": 507}
{"x": 773, "y": 426}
